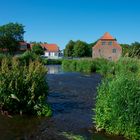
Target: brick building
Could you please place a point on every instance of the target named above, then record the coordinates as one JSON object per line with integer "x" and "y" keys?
{"x": 107, "y": 47}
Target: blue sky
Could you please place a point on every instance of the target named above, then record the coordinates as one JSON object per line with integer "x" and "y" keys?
{"x": 58, "y": 21}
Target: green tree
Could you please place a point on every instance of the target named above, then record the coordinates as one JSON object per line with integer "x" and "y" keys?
{"x": 68, "y": 51}
{"x": 37, "y": 49}
{"x": 90, "y": 46}
{"x": 80, "y": 49}
{"x": 10, "y": 36}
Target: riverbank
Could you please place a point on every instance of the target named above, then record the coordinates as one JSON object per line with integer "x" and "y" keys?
{"x": 71, "y": 98}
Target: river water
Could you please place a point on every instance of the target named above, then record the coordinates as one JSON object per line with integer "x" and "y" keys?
{"x": 72, "y": 97}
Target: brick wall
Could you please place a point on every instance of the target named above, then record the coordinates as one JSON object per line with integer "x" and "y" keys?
{"x": 108, "y": 51}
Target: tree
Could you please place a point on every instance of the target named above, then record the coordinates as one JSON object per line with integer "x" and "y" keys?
{"x": 80, "y": 49}
{"x": 68, "y": 51}
{"x": 90, "y": 46}
{"x": 10, "y": 36}
{"x": 37, "y": 49}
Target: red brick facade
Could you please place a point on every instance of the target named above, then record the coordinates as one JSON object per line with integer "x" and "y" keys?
{"x": 107, "y": 47}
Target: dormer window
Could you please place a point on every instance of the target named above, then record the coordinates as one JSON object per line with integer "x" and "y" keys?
{"x": 103, "y": 43}
{"x": 110, "y": 43}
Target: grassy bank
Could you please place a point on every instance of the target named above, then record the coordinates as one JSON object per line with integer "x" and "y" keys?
{"x": 47, "y": 61}
{"x": 23, "y": 88}
{"x": 118, "y": 96}
{"x": 28, "y": 56}
{"x": 101, "y": 66}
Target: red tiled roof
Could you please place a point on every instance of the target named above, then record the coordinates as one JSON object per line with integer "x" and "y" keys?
{"x": 107, "y": 36}
{"x": 50, "y": 47}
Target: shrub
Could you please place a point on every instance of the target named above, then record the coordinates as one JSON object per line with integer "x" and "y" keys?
{"x": 28, "y": 56}
{"x": 37, "y": 49}
{"x": 23, "y": 88}
{"x": 118, "y": 105}
{"x": 4, "y": 56}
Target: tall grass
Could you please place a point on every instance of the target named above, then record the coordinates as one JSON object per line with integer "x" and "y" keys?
{"x": 101, "y": 66}
{"x": 118, "y": 96}
{"x": 118, "y": 100}
{"x": 23, "y": 88}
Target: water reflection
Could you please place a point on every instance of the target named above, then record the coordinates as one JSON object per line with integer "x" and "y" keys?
{"x": 54, "y": 69}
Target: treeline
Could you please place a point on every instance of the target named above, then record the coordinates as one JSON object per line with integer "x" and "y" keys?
{"x": 78, "y": 49}
{"x": 82, "y": 49}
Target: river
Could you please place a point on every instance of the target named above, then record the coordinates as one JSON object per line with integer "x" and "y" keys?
{"x": 72, "y": 98}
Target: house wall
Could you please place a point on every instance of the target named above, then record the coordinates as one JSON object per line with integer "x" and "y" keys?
{"x": 23, "y": 47}
{"x": 106, "y": 51}
{"x": 51, "y": 54}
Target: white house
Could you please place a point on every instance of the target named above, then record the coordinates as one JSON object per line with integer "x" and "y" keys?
{"x": 51, "y": 50}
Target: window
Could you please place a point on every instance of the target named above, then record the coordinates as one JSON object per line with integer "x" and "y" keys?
{"x": 55, "y": 54}
{"x": 103, "y": 43}
{"x": 114, "y": 50}
{"x": 110, "y": 43}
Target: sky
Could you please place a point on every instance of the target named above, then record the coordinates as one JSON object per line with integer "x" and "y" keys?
{"x": 58, "y": 21}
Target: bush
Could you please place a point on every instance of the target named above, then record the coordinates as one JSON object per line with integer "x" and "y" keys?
{"x": 4, "y": 56}
{"x": 28, "y": 56}
{"x": 118, "y": 105}
{"x": 23, "y": 88}
{"x": 37, "y": 49}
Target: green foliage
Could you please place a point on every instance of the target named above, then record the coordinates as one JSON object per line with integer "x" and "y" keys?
{"x": 37, "y": 49}
{"x": 118, "y": 100}
{"x": 135, "y": 50}
{"x": 54, "y": 62}
{"x": 47, "y": 61}
{"x": 125, "y": 49}
{"x": 68, "y": 52}
{"x": 78, "y": 49}
{"x": 87, "y": 65}
{"x": 127, "y": 64}
{"x": 2, "y": 56}
{"x": 28, "y": 56}
{"x": 132, "y": 50}
{"x": 10, "y": 36}
{"x": 23, "y": 88}
{"x": 71, "y": 136}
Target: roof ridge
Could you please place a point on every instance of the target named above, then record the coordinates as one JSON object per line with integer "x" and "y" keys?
{"x": 107, "y": 36}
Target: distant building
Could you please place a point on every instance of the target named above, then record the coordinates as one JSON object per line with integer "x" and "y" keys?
{"x": 23, "y": 46}
{"x": 51, "y": 50}
{"x": 107, "y": 47}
